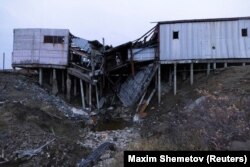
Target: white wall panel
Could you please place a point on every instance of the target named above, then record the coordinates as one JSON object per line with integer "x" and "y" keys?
{"x": 204, "y": 40}
{"x": 29, "y": 47}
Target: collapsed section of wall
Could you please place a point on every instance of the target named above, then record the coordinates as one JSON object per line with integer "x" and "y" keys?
{"x": 133, "y": 88}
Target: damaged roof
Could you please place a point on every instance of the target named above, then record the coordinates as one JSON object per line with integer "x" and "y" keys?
{"x": 82, "y": 44}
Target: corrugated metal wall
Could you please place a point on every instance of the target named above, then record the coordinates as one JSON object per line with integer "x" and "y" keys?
{"x": 204, "y": 40}
{"x": 29, "y": 47}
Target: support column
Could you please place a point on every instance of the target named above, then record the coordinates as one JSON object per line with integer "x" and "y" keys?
{"x": 87, "y": 92}
{"x": 170, "y": 76}
{"x": 54, "y": 86}
{"x": 214, "y": 64}
{"x": 225, "y": 65}
{"x": 159, "y": 84}
{"x": 68, "y": 82}
{"x": 208, "y": 68}
{"x": 243, "y": 64}
{"x": 40, "y": 76}
{"x": 175, "y": 78}
{"x": 63, "y": 82}
{"x": 90, "y": 96}
{"x": 97, "y": 97}
{"x": 191, "y": 74}
{"x": 75, "y": 88}
{"x": 82, "y": 95}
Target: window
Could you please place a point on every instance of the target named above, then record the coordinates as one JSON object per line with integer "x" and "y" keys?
{"x": 244, "y": 32}
{"x": 176, "y": 35}
{"x": 53, "y": 39}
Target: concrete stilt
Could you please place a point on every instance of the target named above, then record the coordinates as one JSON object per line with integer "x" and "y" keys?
{"x": 243, "y": 64}
{"x": 97, "y": 97}
{"x": 40, "y": 76}
{"x": 159, "y": 84}
{"x": 63, "y": 82}
{"x": 90, "y": 96}
{"x": 208, "y": 68}
{"x": 82, "y": 95}
{"x": 87, "y": 92}
{"x": 68, "y": 83}
{"x": 54, "y": 85}
{"x": 175, "y": 78}
{"x": 191, "y": 74}
{"x": 225, "y": 65}
{"x": 214, "y": 65}
{"x": 75, "y": 88}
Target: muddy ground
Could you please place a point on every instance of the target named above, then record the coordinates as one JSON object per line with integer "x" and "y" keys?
{"x": 213, "y": 114}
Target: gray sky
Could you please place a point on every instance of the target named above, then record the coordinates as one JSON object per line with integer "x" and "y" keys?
{"x": 118, "y": 21}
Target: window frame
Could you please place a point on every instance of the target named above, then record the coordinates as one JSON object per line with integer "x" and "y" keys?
{"x": 175, "y": 35}
{"x": 53, "y": 39}
{"x": 244, "y": 32}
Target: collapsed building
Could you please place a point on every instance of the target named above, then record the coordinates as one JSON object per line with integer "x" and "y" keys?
{"x": 71, "y": 64}
{"x": 170, "y": 51}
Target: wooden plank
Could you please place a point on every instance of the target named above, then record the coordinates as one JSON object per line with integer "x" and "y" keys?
{"x": 77, "y": 73}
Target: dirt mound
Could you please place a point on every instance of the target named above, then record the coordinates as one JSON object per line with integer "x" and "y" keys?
{"x": 29, "y": 117}
{"x": 213, "y": 114}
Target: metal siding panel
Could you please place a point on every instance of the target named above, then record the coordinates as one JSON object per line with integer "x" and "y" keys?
{"x": 55, "y": 47}
{"x": 53, "y": 57}
{"x": 168, "y": 46}
{"x": 55, "y": 32}
{"x": 176, "y": 42}
{"x": 247, "y": 41}
{"x": 197, "y": 40}
{"x": 242, "y": 40}
{"x": 29, "y": 48}
{"x": 230, "y": 40}
{"x": 143, "y": 54}
{"x": 25, "y": 56}
{"x": 163, "y": 42}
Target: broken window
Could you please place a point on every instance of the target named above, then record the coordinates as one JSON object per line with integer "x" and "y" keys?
{"x": 53, "y": 39}
{"x": 244, "y": 32}
{"x": 176, "y": 35}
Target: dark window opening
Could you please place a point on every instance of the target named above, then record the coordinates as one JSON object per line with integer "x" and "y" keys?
{"x": 176, "y": 35}
{"x": 53, "y": 39}
{"x": 244, "y": 32}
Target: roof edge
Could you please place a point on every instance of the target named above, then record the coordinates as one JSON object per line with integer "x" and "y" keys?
{"x": 204, "y": 20}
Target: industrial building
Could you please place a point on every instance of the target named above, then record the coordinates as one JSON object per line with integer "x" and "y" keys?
{"x": 171, "y": 49}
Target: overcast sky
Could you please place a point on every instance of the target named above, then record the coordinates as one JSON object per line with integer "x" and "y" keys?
{"x": 118, "y": 21}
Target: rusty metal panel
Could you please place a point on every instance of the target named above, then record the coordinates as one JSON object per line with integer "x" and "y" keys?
{"x": 204, "y": 40}
{"x": 29, "y": 47}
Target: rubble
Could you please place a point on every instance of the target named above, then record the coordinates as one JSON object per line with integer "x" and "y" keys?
{"x": 121, "y": 138}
